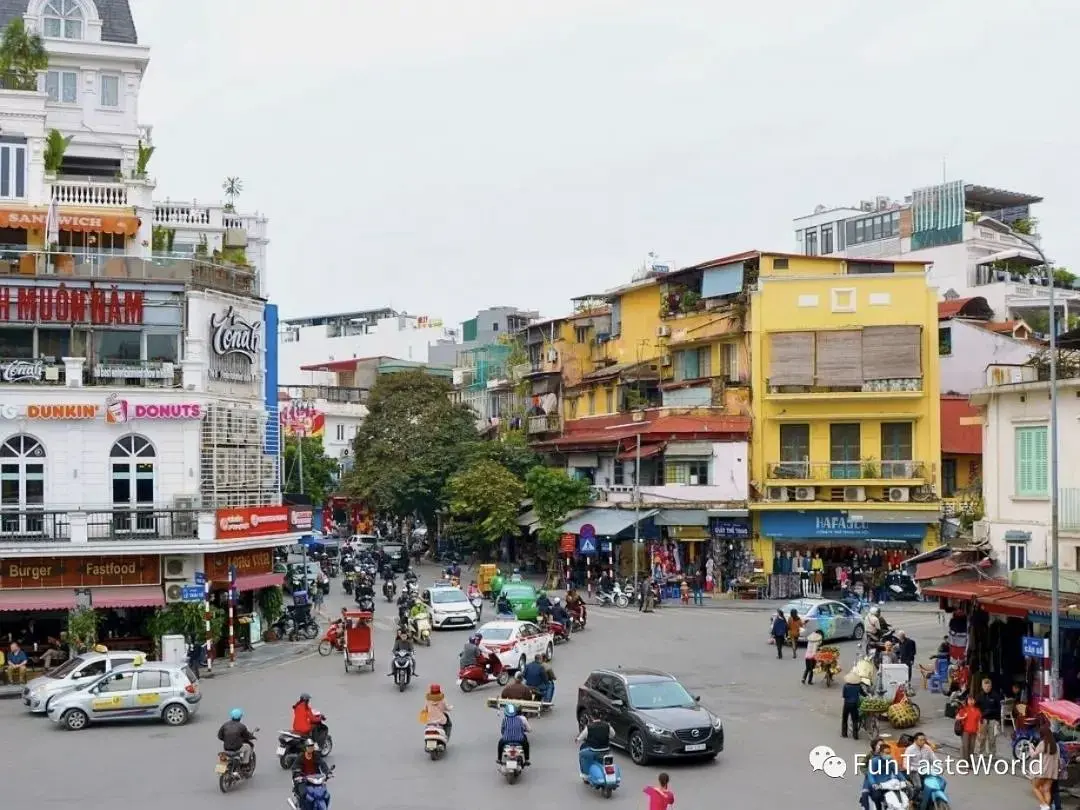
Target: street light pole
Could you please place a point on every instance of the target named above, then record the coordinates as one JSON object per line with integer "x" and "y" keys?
{"x": 637, "y": 506}
{"x": 1055, "y": 579}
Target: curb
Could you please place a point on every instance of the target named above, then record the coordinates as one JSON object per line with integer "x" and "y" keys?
{"x": 223, "y": 669}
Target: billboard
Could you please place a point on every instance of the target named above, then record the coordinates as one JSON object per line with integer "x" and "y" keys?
{"x": 305, "y": 422}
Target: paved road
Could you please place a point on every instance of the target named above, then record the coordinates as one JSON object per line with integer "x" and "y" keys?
{"x": 771, "y": 723}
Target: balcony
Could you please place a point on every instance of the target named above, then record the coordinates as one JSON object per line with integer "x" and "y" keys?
{"x": 202, "y": 217}
{"x": 545, "y": 423}
{"x": 196, "y": 272}
{"x": 27, "y": 526}
{"x": 900, "y": 388}
{"x": 847, "y": 473}
{"x": 91, "y": 194}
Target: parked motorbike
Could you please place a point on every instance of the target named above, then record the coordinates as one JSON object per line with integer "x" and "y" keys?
{"x": 512, "y": 762}
{"x": 435, "y": 741}
{"x": 389, "y": 590}
{"x": 231, "y": 770}
{"x": 291, "y": 628}
{"x": 614, "y": 597}
{"x": 403, "y": 664}
{"x": 604, "y": 775}
{"x": 331, "y": 640}
{"x": 478, "y": 675}
{"x": 316, "y": 795}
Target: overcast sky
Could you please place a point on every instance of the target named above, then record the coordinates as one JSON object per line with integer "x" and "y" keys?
{"x": 440, "y": 157}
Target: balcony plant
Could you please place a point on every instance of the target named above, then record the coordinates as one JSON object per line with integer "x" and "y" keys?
{"x": 232, "y": 188}
{"x": 1026, "y": 226}
{"x": 22, "y": 57}
{"x": 55, "y": 147}
{"x": 163, "y": 239}
{"x": 871, "y": 468}
{"x": 142, "y": 159}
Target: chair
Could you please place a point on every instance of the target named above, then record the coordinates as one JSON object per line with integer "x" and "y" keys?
{"x": 1008, "y": 717}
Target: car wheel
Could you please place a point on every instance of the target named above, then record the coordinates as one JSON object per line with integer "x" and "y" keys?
{"x": 549, "y": 653}
{"x": 75, "y": 719}
{"x": 858, "y": 632}
{"x": 175, "y": 715}
{"x": 637, "y": 750}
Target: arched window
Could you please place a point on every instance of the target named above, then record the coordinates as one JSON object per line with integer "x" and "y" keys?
{"x": 62, "y": 19}
{"x": 132, "y": 459}
{"x": 22, "y": 486}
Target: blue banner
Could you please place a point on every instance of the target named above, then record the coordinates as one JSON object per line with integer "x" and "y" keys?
{"x": 729, "y": 528}
{"x": 831, "y": 524}
{"x": 1032, "y": 647}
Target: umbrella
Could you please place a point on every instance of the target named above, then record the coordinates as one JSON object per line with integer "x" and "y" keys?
{"x": 52, "y": 224}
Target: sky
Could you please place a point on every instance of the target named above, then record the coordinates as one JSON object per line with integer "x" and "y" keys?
{"x": 442, "y": 157}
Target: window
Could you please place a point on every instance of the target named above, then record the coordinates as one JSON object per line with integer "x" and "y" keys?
{"x": 163, "y": 348}
{"x": 152, "y": 679}
{"x": 110, "y": 90}
{"x": 618, "y": 474}
{"x": 948, "y": 477}
{"x": 92, "y": 669}
{"x": 117, "y": 347}
{"x": 62, "y": 86}
{"x": 581, "y": 334}
{"x": 869, "y": 229}
{"x": 693, "y": 364}
{"x": 1017, "y": 555}
{"x": 780, "y": 264}
{"x": 609, "y": 400}
{"x": 22, "y": 486}
{"x": 844, "y": 450}
{"x": 843, "y": 300}
{"x": 494, "y": 327}
{"x": 794, "y": 451}
{"x": 62, "y": 19}
{"x": 869, "y": 268}
{"x": 826, "y": 240}
{"x": 687, "y": 473}
{"x": 896, "y": 450}
{"x": 729, "y": 360}
{"x": 341, "y": 433}
{"x": 810, "y": 243}
{"x": 120, "y": 682}
{"x": 944, "y": 340}
{"x": 16, "y": 344}
{"x": 132, "y": 459}
{"x": 592, "y": 403}
{"x": 12, "y": 171}
{"x": 1032, "y": 479}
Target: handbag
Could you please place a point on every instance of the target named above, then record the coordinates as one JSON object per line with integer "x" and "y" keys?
{"x": 958, "y": 728}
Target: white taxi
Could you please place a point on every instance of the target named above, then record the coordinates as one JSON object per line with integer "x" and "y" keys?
{"x": 450, "y": 607}
{"x": 516, "y": 643}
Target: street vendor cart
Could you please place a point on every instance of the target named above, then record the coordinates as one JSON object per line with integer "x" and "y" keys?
{"x": 359, "y": 646}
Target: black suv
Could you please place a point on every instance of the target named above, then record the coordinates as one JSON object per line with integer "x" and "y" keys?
{"x": 653, "y": 715}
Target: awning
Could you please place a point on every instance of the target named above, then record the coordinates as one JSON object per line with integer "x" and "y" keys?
{"x": 127, "y": 596}
{"x": 257, "y": 582}
{"x": 728, "y": 513}
{"x": 647, "y": 451}
{"x": 894, "y": 516}
{"x": 967, "y": 590}
{"x": 78, "y": 221}
{"x": 529, "y": 519}
{"x": 926, "y": 556}
{"x": 606, "y": 522}
{"x": 1016, "y": 603}
{"x": 682, "y": 517}
{"x": 945, "y": 567}
{"x": 37, "y": 599}
{"x": 1007, "y": 255}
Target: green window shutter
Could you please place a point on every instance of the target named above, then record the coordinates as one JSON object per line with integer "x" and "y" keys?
{"x": 1032, "y": 469}
{"x": 1023, "y": 464}
{"x": 1040, "y": 473}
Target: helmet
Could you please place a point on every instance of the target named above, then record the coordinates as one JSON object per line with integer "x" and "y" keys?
{"x": 875, "y": 610}
{"x": 304, "y": 697}
{"x": 556, "y": 601}
{"x": 237, "y": 714}
{"x": 509, "y": 710}
{"x": 310, "y": 743}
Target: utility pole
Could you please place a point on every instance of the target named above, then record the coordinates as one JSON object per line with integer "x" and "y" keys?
{"x": 637, "y": 506}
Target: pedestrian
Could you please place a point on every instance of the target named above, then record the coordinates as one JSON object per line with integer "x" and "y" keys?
{"x": 779, "y": 632}
{"x": 684, "y": 592}
{"x": 794, "y": 629}
{"x": 989, "y": 702}
{"x": 852, "y": 695}
{"x": 813, "y": 644}
{"x": 968, "y": 722}
{"x": 1048, "y": 767}
{"x": 697, "y": 584}
{"x": 317, "y": 597}
{"x": 906, "y": 651}
{"x": 660, "y": 795}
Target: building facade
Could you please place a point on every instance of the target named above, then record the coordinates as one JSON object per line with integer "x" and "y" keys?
{"x": 969, "y": 341}
{"x": 846, "y": 443}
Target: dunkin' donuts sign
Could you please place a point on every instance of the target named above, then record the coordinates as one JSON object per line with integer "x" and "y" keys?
{"x": 252, "y": 521}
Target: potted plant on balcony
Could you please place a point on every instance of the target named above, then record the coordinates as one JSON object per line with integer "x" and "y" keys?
{"x": 142, "y": 159}
{"x": 870, "y": 468}
{"x": 22, "y": 57}
{"x": 55, "y": 147}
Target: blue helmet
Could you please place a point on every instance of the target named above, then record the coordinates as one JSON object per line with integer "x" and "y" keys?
{"x": 509, "y": 710}
{"x": 237, "y": 714}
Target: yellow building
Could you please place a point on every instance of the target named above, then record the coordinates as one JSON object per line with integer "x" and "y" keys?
{"x": 847, "y": 439}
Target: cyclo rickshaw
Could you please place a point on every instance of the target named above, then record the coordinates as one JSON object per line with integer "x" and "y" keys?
{"x": 359, "y": 645}
{"x": 1067, "y": 715}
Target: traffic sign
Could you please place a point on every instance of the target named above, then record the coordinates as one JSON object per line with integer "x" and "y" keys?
{"x": 200, "y": 577}
{"x": 587, "y": 530}
{"x": 192, "y": 593}
{"x": 586, "y": 545}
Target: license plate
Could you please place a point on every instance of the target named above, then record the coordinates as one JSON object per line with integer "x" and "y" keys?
{"x": 280, "y": 752}
{"x": 458, "y": 620}
{"x": 511, "y": 765}
{"x": 221, "y": 767}
{"x": 430, "y": 745}
{"x": 696, "y": 747}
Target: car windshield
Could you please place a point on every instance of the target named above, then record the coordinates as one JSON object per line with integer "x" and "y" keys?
{"x": 66, "y": 668}
{"x": 520, "y": 594}
{"x": 496, "y": 633}
{"x": 660, "y": 695}
{"x": 440, "y": 596}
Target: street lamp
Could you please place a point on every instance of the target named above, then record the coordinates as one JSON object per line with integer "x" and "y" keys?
{"x": 1055, "y": 584}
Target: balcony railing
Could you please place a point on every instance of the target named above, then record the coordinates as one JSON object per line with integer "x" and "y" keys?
{"x": 546, "y": 423}
{"x": 90, "y": 194}
{"x": 901, "y": 385}
{"x": 207, "y": 217}
{"x": 28, "y": 525}
{"x": 849, "y": 470}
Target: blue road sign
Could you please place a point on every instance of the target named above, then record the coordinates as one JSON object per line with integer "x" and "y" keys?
{"x": 1032, "y": 647}
{"x": 586, "y": 545}
{"x": 200, "y": 578}
{"x": 192, "y": 593}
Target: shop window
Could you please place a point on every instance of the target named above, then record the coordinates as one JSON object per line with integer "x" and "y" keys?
{"x": 16, "y": 344}
{"x": 1032, "y": 468}
{"x": 687, "y": 473}
{"x": 22, "y": 486}
{"x": 54, "y": 343}
{"x": 114, "y": 346}
{"x": 163, "y": 348}
{"x": 132, "y": 459}
{"x": 844, "y": 451}
{"x": 896, "y": 450}
{"x": 1017, "y": 556}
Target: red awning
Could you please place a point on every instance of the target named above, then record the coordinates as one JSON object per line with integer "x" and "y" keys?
{"x": 1016, "y": 603}
{"x": 944, "y": 567}
{"x": 128, "y": 596}
{"x": 1064, "y": 711}
{"x": 968, "y": 589}
{"x": 257, "y": 582}
{"x": 647, "y": 451}
{"x": 37, "y": 599}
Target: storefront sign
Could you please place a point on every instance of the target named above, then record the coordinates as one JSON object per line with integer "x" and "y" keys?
{"x": 252, "y": 521}
{"x": 231, "y": 334}
{"x": 15, "y": 371}
{"x": 834, "y": 525}
{"x": 247, "y": 563}
{"x": 50, "y": 412}
{"x": 30, "y": 219}
{"x": 119, "y": 411}
{"x": 63, "y": 304}
{"x": 304, "y": 422}
{"x": 1034, "y": 647}
{"x": 79, "y": 572}
{"x": 301, "y": 518}
{"x": 164, "y": 371}
{"x": 729, "y": 529}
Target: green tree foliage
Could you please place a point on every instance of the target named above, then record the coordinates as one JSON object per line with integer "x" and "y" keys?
{"x": 319, "y": 469}
{"x": 510, "y": 449}
{"x": 22, "y": 57}
{"x": 554, "y": 494}
{"x": 484, "y": 501}
{"x": 410, "y": 444}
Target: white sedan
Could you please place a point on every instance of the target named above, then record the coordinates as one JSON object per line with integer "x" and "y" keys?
{"x": 516, "y": 643}
{"x": 450, "y": 607}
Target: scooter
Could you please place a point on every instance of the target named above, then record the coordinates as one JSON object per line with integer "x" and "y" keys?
{"x": 933, "y": 793}
{"x": 291, "y": 745}
{"x": 402, "y": 666}
{"x": 420, "y": 629}
{"x": 331, "y": 640}
{"x": 512, "y": 762}
{"x": 895, "y": 794}
{"x": 316, "y": 796}
{"x": 579, "y": 618}
{"x": 478, "y": 675}
{"x": 615, "y": 597}
{"x": 604, "y": 775}
{"x": 435, "y": 741}
{"x": 365, "y": 602}
{"x": 231, "y": 770}
{"x": 389, "y": 590}
{"x": 478, "y": 606}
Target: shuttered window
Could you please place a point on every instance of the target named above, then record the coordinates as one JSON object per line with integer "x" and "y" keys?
{"x": 1032, "y": 467}
{"x": 844, "y": 446}
{"x": 791, "y": 358}
{"x": 891, "y": 352}
{"x": 839, "y": 358}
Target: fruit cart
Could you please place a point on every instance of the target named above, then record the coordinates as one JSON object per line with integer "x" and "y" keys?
{"x": 827, "y": 664}
{"x": 871, "y": 709}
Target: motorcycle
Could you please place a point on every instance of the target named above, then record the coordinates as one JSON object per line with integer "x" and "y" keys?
{"x": 579, "y": 617}
{"x": 347, "y": 584}
{"x": 559, "y": 631}
{"x": 420, "y": 629}
{"x": 403, "y": 665}
{"x": 604, "y": 775}
{"x": 316, "y": 796}
{"x": 477, "y": 675}
{"x": 933, "y": 792}
{"x": 288, "y": 627}
{"x": 365, "y": 602}
{"x": 291, "y": 744}
{"x": 435, "y": 741}
{"x": 895, "y": 794}
{"x": 389, "y": 590}
{"x": 231, "y": 770}
{"x": 614, "y": 597}
{"x": 478, "y": 605}
{"x": 512, "y": 762}
{"x": 331, "y": 640}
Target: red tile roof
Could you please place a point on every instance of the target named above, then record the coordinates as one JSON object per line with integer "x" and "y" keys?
{"x": 945, "y": 567}
{"x": 615, "y": 428}
{"x": 1003, "y": 327}
{"x": 956, "y": 437}
{"x": 949, "y": 309}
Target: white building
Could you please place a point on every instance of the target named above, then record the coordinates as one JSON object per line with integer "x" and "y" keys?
{"x": 940, "y": 225}
{"x": 1016, "y": 486}
{"x": 969, "y": 340}
{"x": 331, "y": 413}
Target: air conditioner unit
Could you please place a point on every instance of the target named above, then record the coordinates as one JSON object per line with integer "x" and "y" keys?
{"x": 179, "y": 567}
{"x": 174, "y": 591}
{"x": 663, "y": 331}
{"x": 804, "y": 493}
{"x": 693, "y": 480}
{"x": 776, "y": 494}
{"x": 665, "y": 360}
{"x": 899, "y": 494}
{"x": 854, "y": 493}
{"x": 553, "y": 355}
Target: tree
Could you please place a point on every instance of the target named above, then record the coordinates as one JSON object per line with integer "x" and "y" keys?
{"x": 319, "y": 469}
{"x": 484, "y": 500}
{"x": 554, "y": 495}
{"x": 232, "y": 188}
{"x": 412, "y": 440}
{"x": 510, "y": 449}
{"x": 22, "y": 57}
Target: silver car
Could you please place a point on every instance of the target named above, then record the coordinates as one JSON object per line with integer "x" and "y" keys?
{"x": 169, "y": 692}
{"x": 834, "y": 619}
{"x": 81, "y": 669}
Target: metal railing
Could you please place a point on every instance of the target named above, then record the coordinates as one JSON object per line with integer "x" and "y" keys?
{"x": 902, "y": 385}
{"x": 547, "y": 423}
{"x": 333, "y": 393}
{"x": 28, "y": 525}
{"x": 849, "y": 470}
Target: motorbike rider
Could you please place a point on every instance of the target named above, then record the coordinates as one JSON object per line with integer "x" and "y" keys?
{"x": 417, "y": 609}
{"x": 236, "y": 737}
{"x": 403, "y": 644}
{"x": 364, "y": 588}
{"x": 919, "y": 759}
{"x": 305, "y": 722}
{"x": 503, "y": 606}
{"x": 470, "y": 653}
{"x": 543, "y": 605}
{"x": 606, "y": 585}
{"x": 595, "y": 738}
{"x": 515, "y": 729}
{"x": 880, "y": 768}
{"x": 404, "y": 602}
{"x": 307, "y": 764}
{"x": 536, "y": 678}
{"x": 387, "y": 572}
{"x": 559, "y": 613}
{"x": 437, "y": 710}
{"x": 517, "y": 690}
{"x": 574, "y": 603}
{"x": 516, "y": 576}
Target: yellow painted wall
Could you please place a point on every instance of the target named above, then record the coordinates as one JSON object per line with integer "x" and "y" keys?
{"x": 966, "y": 465}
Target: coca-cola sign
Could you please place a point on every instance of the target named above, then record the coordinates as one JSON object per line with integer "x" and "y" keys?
{"x": 13, "y": 371}
{"x": 231, "y": 334}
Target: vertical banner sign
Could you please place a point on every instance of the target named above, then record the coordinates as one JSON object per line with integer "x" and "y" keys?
{"x": 209, "y": 633}
{"x": 232, "y": 615}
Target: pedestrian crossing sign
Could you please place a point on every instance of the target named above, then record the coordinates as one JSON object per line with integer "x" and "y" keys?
{"x": 586, "y": 545}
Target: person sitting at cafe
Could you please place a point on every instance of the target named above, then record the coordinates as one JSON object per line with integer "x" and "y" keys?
{"x": 16, "y": 664}
{"x": 55, "y": 654}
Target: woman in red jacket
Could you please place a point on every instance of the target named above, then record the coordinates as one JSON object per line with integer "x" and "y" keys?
{"x": 969, "y": 718}
{"x": 304, "y": 720}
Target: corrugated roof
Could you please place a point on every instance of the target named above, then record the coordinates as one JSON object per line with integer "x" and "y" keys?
{"x": 956, "y": 437}
{"x": 117, "y": 24}
{"x": 616, "y": 429}
{"x": 973, "y": 307}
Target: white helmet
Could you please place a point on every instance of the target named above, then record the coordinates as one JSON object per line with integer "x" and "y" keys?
{"x": 875, "y": 610}
{"x": 556, "y": 601}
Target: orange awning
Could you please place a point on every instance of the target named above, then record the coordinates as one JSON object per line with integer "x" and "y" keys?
{"x": 76, "y": 221}
{"x": 968, "y": 590}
